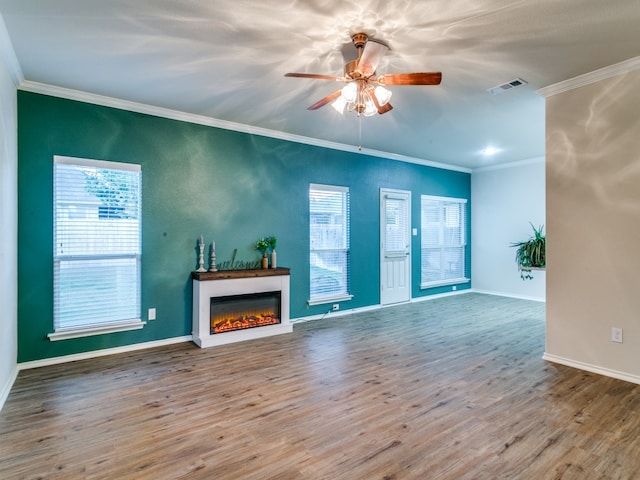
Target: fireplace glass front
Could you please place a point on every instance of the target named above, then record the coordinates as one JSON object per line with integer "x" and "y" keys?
{"x": 237, "y": 312}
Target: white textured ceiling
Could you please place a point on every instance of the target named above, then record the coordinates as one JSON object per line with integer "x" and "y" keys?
{"x": 226, "y": 60}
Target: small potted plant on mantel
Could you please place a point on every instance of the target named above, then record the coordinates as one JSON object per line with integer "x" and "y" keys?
{"x": 262, "y": 246}
{"x": 531, "y": 254}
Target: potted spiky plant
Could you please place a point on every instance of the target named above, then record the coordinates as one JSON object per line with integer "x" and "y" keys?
{"x": 262, "y": 246}
{"x": 531, "y": 253}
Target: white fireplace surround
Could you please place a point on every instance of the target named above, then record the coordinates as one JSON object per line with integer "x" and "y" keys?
{"x": 209, "y": 285}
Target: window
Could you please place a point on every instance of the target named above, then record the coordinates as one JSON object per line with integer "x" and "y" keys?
{"x": 443, "y": 241}
{"x": 329, "y": 243}
{"x": 96, "y": 247}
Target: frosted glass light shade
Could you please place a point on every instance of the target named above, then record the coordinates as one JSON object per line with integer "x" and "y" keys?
{"x": 382, "y": 94}
{"x": 339, "y": 104}
{"x": 369, "y": 108}
{"x": 349, "y": 92}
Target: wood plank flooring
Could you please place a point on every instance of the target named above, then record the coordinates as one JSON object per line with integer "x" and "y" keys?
{"x": 452, "y": 388}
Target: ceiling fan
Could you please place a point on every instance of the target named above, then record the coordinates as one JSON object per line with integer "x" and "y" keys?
{"x": 365, "y": 93}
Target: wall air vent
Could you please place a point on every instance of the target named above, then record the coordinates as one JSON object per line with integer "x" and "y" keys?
{"x": 506, "y": 86}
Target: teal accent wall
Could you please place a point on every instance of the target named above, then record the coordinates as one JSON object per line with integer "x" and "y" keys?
{"x": 230, "y": 187}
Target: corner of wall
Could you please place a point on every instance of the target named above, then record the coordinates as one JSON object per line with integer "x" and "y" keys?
{"x": 6, "y": 388}
{"x": 9, "y": 78}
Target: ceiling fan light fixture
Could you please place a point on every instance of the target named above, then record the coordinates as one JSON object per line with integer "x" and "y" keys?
{"x": 349, "y": 92}
{"x": 370, "y": 110}
{"x": 339, "y": 104}
{"x": 364, "y": 93}
{"x": 369, "y": 106}
{"x": 382, "y": 94}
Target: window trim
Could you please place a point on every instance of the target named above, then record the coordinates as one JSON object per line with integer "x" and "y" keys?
{"x": 334, "y": 297}
{"x": 88, "y": 331}
{"x": 329, "y": 299}
{"x": 448, "y": 281}
{"x": 101, "y": 328}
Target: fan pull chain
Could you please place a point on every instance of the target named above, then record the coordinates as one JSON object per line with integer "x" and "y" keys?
{"x": 359, "y": 132}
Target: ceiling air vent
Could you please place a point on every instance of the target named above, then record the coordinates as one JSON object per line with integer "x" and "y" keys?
{"x": 507, "y": 86}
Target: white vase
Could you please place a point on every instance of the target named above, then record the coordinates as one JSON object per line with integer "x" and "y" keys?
{"x": 273, "y": 259}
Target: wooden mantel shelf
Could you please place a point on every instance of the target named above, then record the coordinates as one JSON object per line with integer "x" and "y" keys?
{"x": 227, "y": 274}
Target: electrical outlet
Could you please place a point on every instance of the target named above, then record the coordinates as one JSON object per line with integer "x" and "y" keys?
{"x": 616, "y": 335}
{"x": 336, "y": 306}
{"x": 151, "y": 314}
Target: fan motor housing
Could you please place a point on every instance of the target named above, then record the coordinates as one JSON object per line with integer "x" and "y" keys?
{"x": 359, "y": 39}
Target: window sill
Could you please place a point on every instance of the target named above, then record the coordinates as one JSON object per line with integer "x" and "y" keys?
{"x": 68, "y": 333}
{"x": 444, "y": 283}
{"x": 333, "y": 298}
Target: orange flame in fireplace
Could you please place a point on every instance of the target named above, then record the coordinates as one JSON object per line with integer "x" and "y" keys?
{"x": 242, "y": 321}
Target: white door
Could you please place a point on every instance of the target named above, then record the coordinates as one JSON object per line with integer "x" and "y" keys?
{"x": 395, "y": 246}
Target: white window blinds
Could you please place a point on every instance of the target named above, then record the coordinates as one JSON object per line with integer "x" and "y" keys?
{"x": 443, "y": 241}
{"x": 97, "y": 245}
{"x": 329, "y": 243}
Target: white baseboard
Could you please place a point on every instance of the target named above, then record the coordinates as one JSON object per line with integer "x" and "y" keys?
{"x": 6, "y": 389}
{"x": 510, "y": 295}
{"x": 102, "y": 353}
{"x": 340, "y": 313}
{"x": 452, "y": 293}
{"x": 334, "y": 313}
{"x": 591, "y": 368}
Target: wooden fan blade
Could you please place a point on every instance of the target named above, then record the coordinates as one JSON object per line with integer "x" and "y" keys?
{"x": 371, "y": 56}
{"x": 381, "y": 108}
{"x": 328, "y": 99}
{"x": 385, "y": 108}
{"x": 425, "y": 78}
{"x": 316, "y": 76}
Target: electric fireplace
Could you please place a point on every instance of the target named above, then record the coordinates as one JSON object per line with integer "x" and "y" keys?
{"x": 236, "y": 305}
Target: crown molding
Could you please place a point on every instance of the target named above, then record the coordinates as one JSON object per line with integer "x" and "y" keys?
{"x": 8, "y": 55}
{"x": 70, "y": 94}
{"x": 626, "y": 66}
{"x": 502, "y": 166}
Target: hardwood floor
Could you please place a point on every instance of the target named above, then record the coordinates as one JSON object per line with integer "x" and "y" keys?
{"x": 452, "y": 388}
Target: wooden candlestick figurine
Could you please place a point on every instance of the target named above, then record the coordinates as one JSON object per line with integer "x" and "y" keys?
{"x": 201, "y": 256}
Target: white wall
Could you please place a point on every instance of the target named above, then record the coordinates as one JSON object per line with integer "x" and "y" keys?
{"x": 593, "y": 215}
{"x": 8, "y": 224}
{"x": 503, "y": 202}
